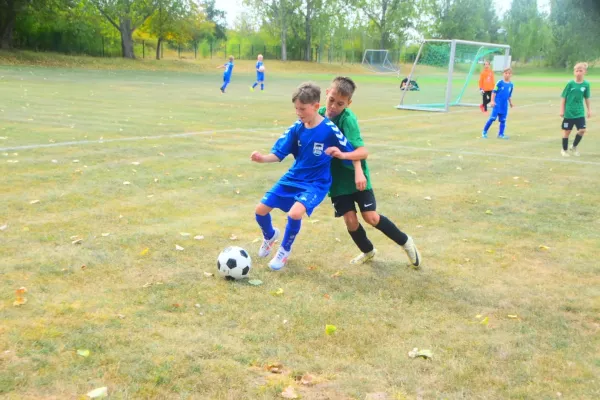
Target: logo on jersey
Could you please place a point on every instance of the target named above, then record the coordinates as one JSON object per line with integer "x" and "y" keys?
{"x": 318, "y": 149}
{"x": 583, "y": 89}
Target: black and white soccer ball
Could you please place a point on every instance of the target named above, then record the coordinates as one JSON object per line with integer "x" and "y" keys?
{"x": 234, "y": 263}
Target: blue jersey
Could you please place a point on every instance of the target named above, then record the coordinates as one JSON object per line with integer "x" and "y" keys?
{"x": 258, "y": 65}
{"x": 312, "y": 168}
{"x": 260, "y": 76}
{"x": 228, "y": 70}
{"x": 503, "y": 92}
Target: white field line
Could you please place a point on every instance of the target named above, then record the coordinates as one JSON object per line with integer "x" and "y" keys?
{"x": 415, "y": 114}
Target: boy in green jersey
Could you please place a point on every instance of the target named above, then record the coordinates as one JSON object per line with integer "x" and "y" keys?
{"x": 571, "y": 108}
{"x": 354, "y": 186}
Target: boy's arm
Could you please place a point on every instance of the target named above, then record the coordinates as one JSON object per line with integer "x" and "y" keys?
{"x": 493, "y": 100}
{"x": 359, "y": 176}
{"x": 589, "y": 107}
{"x": 356, "y": 155}
{"x": 563, "y": 101}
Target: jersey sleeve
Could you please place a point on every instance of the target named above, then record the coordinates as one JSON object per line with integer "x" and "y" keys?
{"x": 512, "y": 88}
{"x": 565, "y": 91}
{"x": 337, "y": 139}
{"x": 287, "y": 143}
{"x": 587, "y": 94}
{"x": 352, "y": 132}
{"x": 497, "y": 87}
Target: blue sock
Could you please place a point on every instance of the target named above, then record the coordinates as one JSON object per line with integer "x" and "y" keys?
{"x": 262, "y": 86}
{"x": 502, "y": 126}
{"x": 488, "y": 124}
{"x": 264, "y": 221}
{"x": 224, "y": 85}
{"x": 291, "y": 231}
{"x": 255, "y": 84}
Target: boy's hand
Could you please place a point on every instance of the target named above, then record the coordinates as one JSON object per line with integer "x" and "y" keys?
{"x": 492, "y": 104}
{"x": 511, "y": 105}
{"x": 360, "y": 179}
{"x": 562, "y": 114}
{"x": 589, "y": 114}
{"x": 257, "y": 157}
{"x": 334, "y": 152}
{"x": 481, "y": 91}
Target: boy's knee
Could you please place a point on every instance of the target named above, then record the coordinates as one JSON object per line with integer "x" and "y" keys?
{"x": 566, "y": 134}
{"x": 261, "y": 209}
{"x": 371, "y": 217}
{"x": 351, "y": 221}
{"x": 581, "y": 132}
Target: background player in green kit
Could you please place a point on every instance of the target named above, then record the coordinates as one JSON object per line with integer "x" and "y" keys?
{"x": 571, "y": 108}
{"x": 354, "y": 186}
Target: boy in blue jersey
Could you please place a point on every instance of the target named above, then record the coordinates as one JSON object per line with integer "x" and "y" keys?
{"x": 501, "y": 98}
{"x": 306, "y": 183}
{"x": 260, "y": 74}
{"x": 227, "y": 73}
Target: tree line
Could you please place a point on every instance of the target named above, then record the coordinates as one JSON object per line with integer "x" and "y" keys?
{"x": 568, "y": 32}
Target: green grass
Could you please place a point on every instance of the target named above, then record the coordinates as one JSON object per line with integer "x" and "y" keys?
{"x": 157, "y": 327}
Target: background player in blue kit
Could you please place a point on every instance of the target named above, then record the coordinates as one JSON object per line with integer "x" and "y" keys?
{"x": 306, "y": 183}
{"x": 501, "y": 98}
{"x": 227, "y": 73}
{"x": 260, "y": 74}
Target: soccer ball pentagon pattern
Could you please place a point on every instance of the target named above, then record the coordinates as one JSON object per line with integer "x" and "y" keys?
{"x": 234, "y": 263}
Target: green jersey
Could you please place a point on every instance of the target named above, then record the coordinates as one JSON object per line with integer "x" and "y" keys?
{"x": 574, "y": 94}
{"x": 343, "y": 177}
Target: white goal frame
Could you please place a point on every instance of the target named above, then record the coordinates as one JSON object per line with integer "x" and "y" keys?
{"x": 386, "y": 66}
{"x": 447, "y": 100}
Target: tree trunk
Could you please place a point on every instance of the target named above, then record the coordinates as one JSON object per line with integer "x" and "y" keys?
{"x": 307, "y": 31}
{"x": 284, "y": 42}
{"x": 158, "y": 48}
{"x": 126, "y": 38}
{"x": 7, "y": 24}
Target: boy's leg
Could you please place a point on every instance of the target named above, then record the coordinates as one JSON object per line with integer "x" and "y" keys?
{"x": 344, "y": 206}
{"x": 502, "y": 119}
{"x": 489, "y": 123}
{"x": 487, "y": 97}
{"x": 580, "y": 132}
{"x": 291, "y": 231}
{"x": 567, "y": 126}
{"x": 253, "y": 86}
{"x": 225, "y": 83}
{"x": 270, "y": 234}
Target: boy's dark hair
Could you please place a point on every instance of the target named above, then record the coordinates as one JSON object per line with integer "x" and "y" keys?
{"x": 307, "y": 93}
{"x": 344, "y": 85}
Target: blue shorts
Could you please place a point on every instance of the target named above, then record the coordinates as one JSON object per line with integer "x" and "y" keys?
{"x": 226, "y": 78}
{"x": 260, "y": 76}
{"x": 496, "y": 114}
{"x": 283, "y": 197}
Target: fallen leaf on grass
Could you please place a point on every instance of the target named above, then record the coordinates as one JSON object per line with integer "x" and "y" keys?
{"x": 256, "y": 240}
{"x": 83, "y": 352}
{"x": 512, "y": 316}
{"x": 427, "y": 198}
{"x": 542, "y": 247}
{"x": 330, "y": 329}
{"x": 178, "y": 248}
{"x": 490, "y": 251}
{"x": 76, "y": 161}
{"x": 34, "y": 201}
{"x": 412, "y": 172}
{"x": 489, "y": 212}
{"x": 185, "y": 234}
{"x": 144, "y": 252}
{"x": 289, "y": 393}
{"x": 77, "y": 241}
{"x": 155, "y": 180}
{"x": 161, "y": 154}
{"x": 277, "y": 292}
{"x": 98, "y": 393}
{"x": 199, "y": 237}
{"x": 255, "y": 282}
{"x": 20, "y": 296}
{"x": 337, "y": 274}
{"x": 424, "y": 353}
{"x": 106, "y": 234}
{"x": 326, "y": 296}
{"x": 135, "y": 163}
{"x": 312, "y": 268}
{"x": 3, "y": 227}
{"x": 314, "y": 221}
{"x": 232, "y": 237}
{"x": 275, "y": 368}
{"x": 484, "y": 321}
{"x": 126, "y": 183}
{"x": 307, "y": 380}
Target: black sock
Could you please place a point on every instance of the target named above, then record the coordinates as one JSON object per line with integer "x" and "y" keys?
{"x": 577, "y": 140}
{"x": 360, "y": 238}
{"x": 566, "y": 143}
{"x": 390, "y": 230}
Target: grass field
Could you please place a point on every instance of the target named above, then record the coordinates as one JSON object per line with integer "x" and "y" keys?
{"x": 507, "y": 299}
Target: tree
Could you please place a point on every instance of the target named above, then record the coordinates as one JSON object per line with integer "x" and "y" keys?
{"x": 167, "y": 20}
{"x": 389, "y": 17}
{"x": 276, "y": 16}
{"x": 217, "y": 17}
{"x": 462, "y": 19}
{"x": 126, "y": 16}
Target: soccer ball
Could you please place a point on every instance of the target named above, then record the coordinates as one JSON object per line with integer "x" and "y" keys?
{"x": 234, "y": 263}
{"x": 261, "y": 68}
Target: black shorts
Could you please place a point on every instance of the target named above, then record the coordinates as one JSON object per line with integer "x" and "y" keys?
{"x": 344, "y": 203}
{"x": 568, "y": 123}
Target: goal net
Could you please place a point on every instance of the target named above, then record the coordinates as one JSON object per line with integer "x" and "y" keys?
{"x": 379, "y": 61}
{"x": 446, "y": 74}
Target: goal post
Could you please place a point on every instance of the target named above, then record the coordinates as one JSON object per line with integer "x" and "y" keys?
{"x": 446, "y": 73}
{"x": 376, "y": 60}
